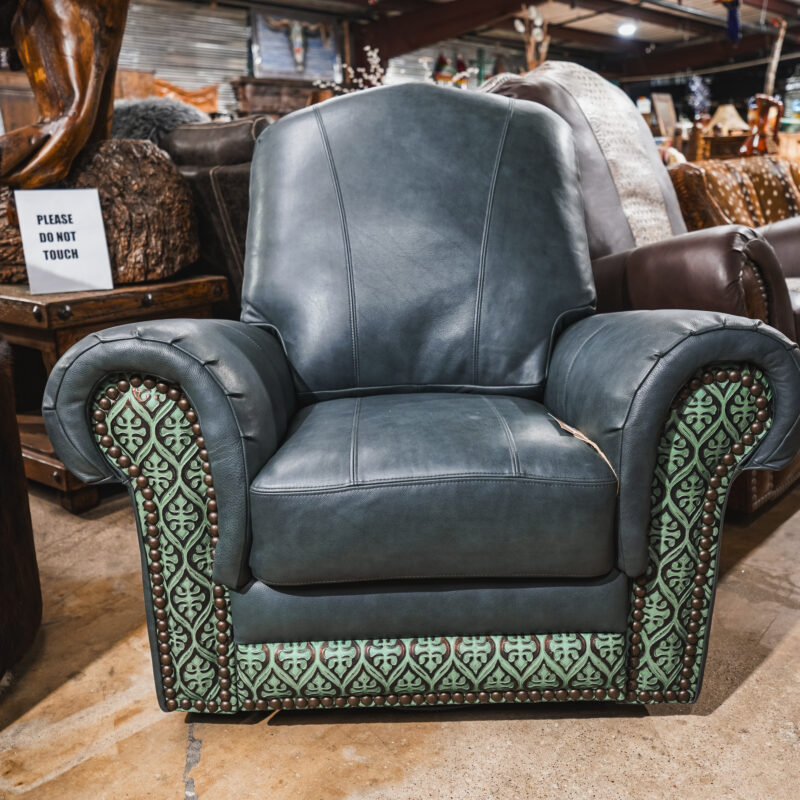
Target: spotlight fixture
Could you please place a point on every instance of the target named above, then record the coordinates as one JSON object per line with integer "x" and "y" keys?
{"x": 519, "y": 25}
{"x": 626, "y": 29}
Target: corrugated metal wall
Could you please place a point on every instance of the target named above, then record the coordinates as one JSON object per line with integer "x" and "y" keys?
{"x": 189, "y": 44}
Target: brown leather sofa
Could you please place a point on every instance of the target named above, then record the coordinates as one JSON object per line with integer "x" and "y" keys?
{"x": 215, "y": 159}
{"x": 643, "y": 254}
{"x": 762, "y": 192}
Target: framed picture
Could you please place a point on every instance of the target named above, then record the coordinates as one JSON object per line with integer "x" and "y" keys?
{"x": 664, "y": 109}
{"x": 302, "y": 47}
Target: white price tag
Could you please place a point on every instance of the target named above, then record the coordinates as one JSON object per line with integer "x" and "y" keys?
{"x": 64, "y": 240}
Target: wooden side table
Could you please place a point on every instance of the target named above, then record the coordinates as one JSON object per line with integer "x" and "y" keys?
{"x": 52, "y": 323}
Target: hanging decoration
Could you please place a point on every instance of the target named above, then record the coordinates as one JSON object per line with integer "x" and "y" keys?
{"x": 534, "y": 30}
{"x": 297, "y": 32}
{"x": 734, "y": 29}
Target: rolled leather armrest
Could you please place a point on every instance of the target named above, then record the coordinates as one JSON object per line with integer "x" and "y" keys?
{"x": 214, "y": 144}
{"x": 237, "y": 379}
{"x": 784, "y": 238}
{"x": 613, "y": 376}
{"x": 729, "y": 269}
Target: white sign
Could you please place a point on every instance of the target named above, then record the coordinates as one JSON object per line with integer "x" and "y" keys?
{"x": 64, "y": 240}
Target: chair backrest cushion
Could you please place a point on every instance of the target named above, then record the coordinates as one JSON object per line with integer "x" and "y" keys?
{"x": 629, "y": 199}
{"x": 415, "y": 236}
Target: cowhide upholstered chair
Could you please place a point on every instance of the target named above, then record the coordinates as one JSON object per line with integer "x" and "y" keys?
{"x": 421, "y": 470}
{"x": 642, "y": 255}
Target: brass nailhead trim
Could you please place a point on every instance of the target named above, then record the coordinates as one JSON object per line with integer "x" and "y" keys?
{"x": 709, "y": 527}
{"x": 432, "y": 699}
{"x": 142, "y": 487}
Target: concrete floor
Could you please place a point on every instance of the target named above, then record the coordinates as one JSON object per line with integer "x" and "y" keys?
{"x": 81, "y": 720}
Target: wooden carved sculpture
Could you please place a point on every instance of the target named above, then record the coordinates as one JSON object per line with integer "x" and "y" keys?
{"x": 763, "y": 136}
{"x": 69, "y": 50}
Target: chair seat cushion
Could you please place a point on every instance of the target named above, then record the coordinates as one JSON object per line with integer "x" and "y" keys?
{"x": 433, "y": 485}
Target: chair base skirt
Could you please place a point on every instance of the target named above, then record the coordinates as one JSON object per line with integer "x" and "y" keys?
{"x": 447, "y": 670}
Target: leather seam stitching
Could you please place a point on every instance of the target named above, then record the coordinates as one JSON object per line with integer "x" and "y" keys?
{"x": 512, "y": 445}
{"x": 485, "y": 242}
{"x": 313, "y": 580}
{"x": 381, "y": 483}
{"x": 418, "y": 387}
{"x": 346, "y": 241}
{"x": 354, "y": 443}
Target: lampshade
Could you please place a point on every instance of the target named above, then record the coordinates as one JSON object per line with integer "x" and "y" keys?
{"x": 728, "y": 119}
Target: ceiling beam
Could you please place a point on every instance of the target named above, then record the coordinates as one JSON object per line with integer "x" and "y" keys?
{"x": 388, "y": 6}
{"x": 663, "y": 18}
{"x": 694, "y": 56}
{"x": 717, "y": 20}
{"x": 781, "y": 7}
{"x": 565, "y": 33}
{"x": 394, "y": 36}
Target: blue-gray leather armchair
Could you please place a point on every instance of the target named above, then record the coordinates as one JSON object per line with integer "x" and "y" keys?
{"x": 421, "y": 470}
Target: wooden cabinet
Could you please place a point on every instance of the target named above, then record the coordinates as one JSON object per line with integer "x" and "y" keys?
{"x": 278, "y": 96}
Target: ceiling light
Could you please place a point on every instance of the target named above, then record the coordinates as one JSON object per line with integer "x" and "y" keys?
{"x": 626, "y": 29}
{"x": 519, "y": 25}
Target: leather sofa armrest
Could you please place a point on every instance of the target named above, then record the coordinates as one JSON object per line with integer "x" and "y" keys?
{"x": 729, "y": 269}
{"x": 614, "y": 377}
{"x": 214, "y": 144}
{"x": 784, "y": 238}
{"x": 236, "y": 377}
